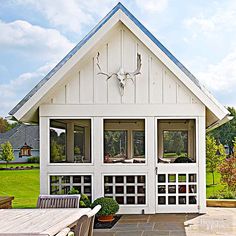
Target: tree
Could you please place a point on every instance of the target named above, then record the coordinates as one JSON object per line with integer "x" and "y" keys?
{"x": 214, "y": 156}
{"x": 7, "y": 154}
{"x": 225, "y": 134}
{"x": 3, "y": 125}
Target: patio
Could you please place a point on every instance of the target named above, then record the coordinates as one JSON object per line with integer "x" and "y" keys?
{"x": 217, "y": 221}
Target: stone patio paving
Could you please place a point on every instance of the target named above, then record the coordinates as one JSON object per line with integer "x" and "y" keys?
{"x": 217, "y": 221}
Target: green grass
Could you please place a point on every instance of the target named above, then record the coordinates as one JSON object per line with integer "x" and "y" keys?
{"x": 22, "y": 184}
{"x": 3, "y": 165}
{"x": 213, "y": 189}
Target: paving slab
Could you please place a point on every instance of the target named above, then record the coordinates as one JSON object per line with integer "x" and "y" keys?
{"x": 217, "y": 221}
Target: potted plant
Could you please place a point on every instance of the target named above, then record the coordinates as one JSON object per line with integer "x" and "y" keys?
{"x": 84, "y": 200}
{"x": 109, "y": 207}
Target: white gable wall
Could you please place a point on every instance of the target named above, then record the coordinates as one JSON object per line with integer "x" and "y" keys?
{"x": 155, "y": 85}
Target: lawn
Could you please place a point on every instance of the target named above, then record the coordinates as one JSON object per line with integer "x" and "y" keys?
{"x": 3, "y": 165}
{"x": 22, "y": 184}
{"x": 213, "y": 189}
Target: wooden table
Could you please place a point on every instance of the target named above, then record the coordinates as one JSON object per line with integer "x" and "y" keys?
{"x": 38, "y": 221}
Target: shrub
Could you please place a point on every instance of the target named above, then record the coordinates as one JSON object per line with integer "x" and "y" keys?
{"x": 109, "y": 206}
{"x": 84, "y": 200}
{"x": 227, "y": 170}
{"x": 33, "y": 159}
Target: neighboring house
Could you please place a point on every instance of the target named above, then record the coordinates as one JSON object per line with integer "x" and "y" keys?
{"x": 141, "y": 142}
{"x": 24, "y": 140}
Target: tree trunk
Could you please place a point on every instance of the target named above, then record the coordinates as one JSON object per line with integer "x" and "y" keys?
{"x": 213, "y": 178}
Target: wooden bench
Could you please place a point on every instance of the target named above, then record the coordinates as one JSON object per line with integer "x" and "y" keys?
{"x": 6, "y": 202}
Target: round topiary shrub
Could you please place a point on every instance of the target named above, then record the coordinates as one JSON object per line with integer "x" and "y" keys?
{"x": 109, "y": 206}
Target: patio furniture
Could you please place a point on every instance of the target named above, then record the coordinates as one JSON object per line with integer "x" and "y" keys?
{"x": 6, "y": 202}
{"x": 91, "y": 216}
{"x": 64, "y": 232}
{"x": 58, "y": 201}
{"x": 38, "y": 222}
{"x": 84, "y": 226}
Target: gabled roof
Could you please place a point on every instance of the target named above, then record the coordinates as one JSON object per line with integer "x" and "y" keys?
{"x": 209, "y": 100}
{"x": 20, "y": 135}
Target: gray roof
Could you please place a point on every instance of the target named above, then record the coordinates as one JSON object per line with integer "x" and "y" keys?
{"x": 119, "y": 6}
{"x": 20, "y": 135}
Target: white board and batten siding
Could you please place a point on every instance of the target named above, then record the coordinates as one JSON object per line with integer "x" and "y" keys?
{"x": 155, "y": 93}
{"x": 155, "y": 85}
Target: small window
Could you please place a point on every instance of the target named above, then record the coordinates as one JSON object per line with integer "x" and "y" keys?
{"x": 139, "y": 144}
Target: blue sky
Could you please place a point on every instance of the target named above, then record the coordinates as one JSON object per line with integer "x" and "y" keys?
{"x": 36, "y": 34}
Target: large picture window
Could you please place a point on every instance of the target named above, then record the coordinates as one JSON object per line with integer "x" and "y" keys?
{"x": 124, "y": 141}
{"x": 70, "y": 141}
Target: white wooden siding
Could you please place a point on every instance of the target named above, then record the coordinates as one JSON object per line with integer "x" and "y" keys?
{"x": 155, "y": 85}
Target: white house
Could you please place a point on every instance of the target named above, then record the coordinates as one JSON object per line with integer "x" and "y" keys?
{"x": 121, "y": 117}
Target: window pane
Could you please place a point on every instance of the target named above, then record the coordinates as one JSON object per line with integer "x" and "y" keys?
{"x": 115, "y": 145}
{"x": 70, "y": 141}
{"x": 57, "y": 142}
{"x": 139, "y": 144}
{"x": 175, "y": 145}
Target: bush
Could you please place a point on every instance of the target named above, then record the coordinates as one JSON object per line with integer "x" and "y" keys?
{"x": 109, "y": 206}
{"x": 33, "y": 159}
{"x": 84, "y": 200}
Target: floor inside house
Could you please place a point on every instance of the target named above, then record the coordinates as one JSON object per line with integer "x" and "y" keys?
{"x": 217, "y": 221}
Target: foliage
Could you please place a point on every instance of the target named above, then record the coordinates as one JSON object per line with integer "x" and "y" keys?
{"x": 227, "y": 170}
{"x": 73, "y": 191}
{"x": 7, "y": 154}
{"x": 213, "y": 159}
{"x": 84, "y": 200}
{"x": 115, "y": 142}
{"x": 225, "y": 134}
{"x": 34, "y": 159}
{"x": 56, "y": 151}
{"x": 175, "y": 143}
{"x": 109, "y": 206}
{"x": 223, "y": 194}
{"x": 5, "y": 125}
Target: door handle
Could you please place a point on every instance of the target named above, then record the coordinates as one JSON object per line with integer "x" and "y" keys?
{"x": 156, "y": 170}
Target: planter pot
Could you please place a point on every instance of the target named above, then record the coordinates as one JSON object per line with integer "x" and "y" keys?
{"x": 108, "y": 218}
{"x": 221, "y": 203}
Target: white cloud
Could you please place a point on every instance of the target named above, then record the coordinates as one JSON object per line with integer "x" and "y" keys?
{"x": 152, "y": 6}
{"x": 221, "y": 77}
{"x": 11, "y": 92}
{"x": 222, "y": 19}
{"x": 35, "y": 41}
{"x": 71, "y": 15}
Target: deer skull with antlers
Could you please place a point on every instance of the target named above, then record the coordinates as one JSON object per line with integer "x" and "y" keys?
{"x": 121, "y": 75}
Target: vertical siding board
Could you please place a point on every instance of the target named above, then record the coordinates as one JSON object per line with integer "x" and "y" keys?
{"x": 114, "y": 59}
{"x": 183, "y": 96}
{"x": 142, "y": 84}
{"x": 73, "y": 89}
{"x": 156, "y": 79}
{"x": 59, "y": 96}
{"x": 86, "y": 83}
{"x": 129, "y": 65}
{"x": 100, "y": 81}
{"x": 169, "y": 89}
